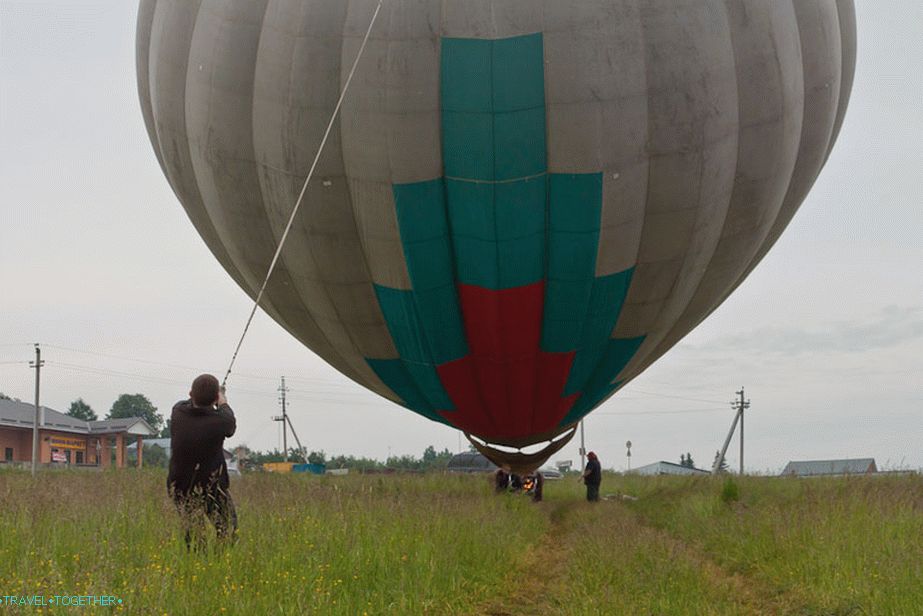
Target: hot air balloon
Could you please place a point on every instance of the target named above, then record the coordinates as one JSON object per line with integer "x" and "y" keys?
{"x": 522, "y": 204}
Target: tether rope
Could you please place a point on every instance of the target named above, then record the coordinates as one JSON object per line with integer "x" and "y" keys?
{"x": 304, "y": 188}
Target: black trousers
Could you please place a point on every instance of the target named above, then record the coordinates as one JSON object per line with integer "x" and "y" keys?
{"x": 214, "y": 504}
{"x": 592, "y": 492}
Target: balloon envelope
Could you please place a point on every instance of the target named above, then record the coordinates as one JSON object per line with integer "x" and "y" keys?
{"x": 522, "y": 205}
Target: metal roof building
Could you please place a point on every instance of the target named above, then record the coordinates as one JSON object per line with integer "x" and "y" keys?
{"x": 470, "y": 462}
{"x": 667, "y": 468}
{"x": 814, "y": 468}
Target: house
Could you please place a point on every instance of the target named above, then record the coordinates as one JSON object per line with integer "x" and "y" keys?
{"x": 815, "y": 468}
{"x": 667, "y": 468}
{"x": 66, "y": 440}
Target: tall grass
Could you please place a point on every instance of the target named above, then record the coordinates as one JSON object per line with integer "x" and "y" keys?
{"x": 446, "y": 545}
{"x": 349, "y": 545}
{"x": 846, "y": 545}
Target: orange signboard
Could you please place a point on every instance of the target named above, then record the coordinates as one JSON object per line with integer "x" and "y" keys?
{"x": 62, "y": 442}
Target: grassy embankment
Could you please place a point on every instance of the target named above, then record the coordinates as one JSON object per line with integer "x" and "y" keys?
{"x": 439, "y": 545}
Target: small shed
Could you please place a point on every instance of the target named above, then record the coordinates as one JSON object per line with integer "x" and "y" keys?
{"x": 470, "y": 462}
{"x": 667, "y": 468}
{"x": 817, "y": 468}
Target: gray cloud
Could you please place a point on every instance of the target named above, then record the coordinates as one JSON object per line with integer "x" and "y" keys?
{"x": 892, "y": 326}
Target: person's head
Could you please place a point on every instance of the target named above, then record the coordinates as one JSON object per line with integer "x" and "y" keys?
{"x": 592, "y": 456}
{"x": 204, "y": 390}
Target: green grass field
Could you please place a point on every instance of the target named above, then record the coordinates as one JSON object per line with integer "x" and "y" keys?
{"x": 447, "y": 545}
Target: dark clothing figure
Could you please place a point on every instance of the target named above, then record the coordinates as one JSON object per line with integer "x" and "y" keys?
{"x": 198, "y": 477}
{"x": 538, "y": 483}
{"x": 501, "y": 481}
{"x": 515, "y": 482}
{"x": 592, "y": 477}
{"x": 217, "y": 506}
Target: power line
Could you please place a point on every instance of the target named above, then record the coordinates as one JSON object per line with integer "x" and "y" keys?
{"x": 140, "y": 377}
{"x": 651, "y": 393}
{"x": 145, "y": 361}
{"x": 671, "y": 412}
{"x": 335, "y": 398}
{"x": 307, "y": 380}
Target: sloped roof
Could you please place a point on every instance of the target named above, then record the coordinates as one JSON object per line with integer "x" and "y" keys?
{"x": 852, "y": 466}
{"x": 16, "y": 414}
{"x": 469, "y": 461}
{"x": 667, "y": 468}
{"x": 120, "y": 425}
{"x": 22, "y": 415}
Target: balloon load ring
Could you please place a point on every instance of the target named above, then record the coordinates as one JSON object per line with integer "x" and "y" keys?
{"x": 523, "y": 457}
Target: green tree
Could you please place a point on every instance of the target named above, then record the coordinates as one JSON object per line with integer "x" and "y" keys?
{"x": 156, "y": 456}
{"x": 433, "y": 460}
{"x": 165, "y": 433}
{"x": 686, "y": 460}
{"x": 317, "y": 457}
{"x": 136, "y": 405}
{"x": 723, "y": 467}
{"x": 82, "y": 410}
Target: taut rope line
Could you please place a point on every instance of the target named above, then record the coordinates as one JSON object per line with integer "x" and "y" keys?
{"x": 304, "y": 188}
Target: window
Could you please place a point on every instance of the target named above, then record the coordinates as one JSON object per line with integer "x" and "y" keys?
{"x": 8, "y": 454}
{"x": 79, "y": 457}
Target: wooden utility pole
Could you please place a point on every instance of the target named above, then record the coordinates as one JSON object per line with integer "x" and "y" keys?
{"x": 37, "y": 364}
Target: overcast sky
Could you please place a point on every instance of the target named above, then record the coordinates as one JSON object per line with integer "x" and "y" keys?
{"x": 99, "y": 263}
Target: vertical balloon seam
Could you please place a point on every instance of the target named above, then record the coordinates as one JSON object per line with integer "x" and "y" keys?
{"x": 695, "y": 312}
{"x": 846, "y": 12}
{"x": 353, "y": 355}
{"x": 216, "y": 245}
{"x": 664, "y": 339}
{"x": 285, "y": 272}
{"x": 784, "y": 216}
{"x": 354, "y": 368}
{"x": 143, "y": 33}
{"x": 403, "y": 374}
{"x": 282, "y": 285}
{"x": 662, "y": 333}
{"x": 196, "y": 211}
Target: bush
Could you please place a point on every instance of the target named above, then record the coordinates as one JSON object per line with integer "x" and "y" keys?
{"x": 730, "y": 492}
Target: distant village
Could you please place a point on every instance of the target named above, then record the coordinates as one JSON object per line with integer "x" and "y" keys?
{"x": 65, "y": 441}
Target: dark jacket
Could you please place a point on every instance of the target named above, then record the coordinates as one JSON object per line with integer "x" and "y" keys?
{"x": 595, "y": 473}
{"x": 197, "y": 443}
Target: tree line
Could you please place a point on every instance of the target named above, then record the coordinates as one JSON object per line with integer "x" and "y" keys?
{"x": 431, "y": 460}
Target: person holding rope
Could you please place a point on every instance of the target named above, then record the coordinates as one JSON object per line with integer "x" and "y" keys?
{"x": 198, "y": 478}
